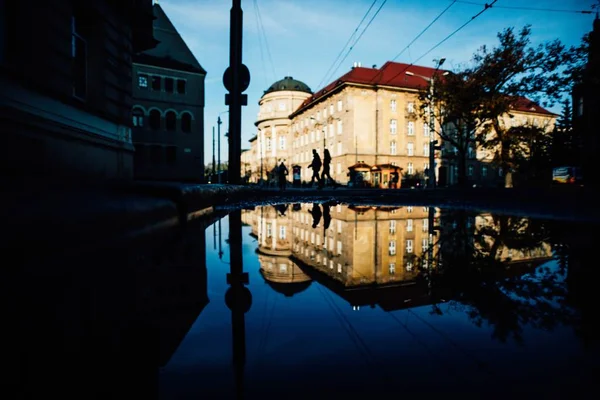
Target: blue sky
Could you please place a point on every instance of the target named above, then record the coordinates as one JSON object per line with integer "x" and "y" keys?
{"x": 305, "y": 36}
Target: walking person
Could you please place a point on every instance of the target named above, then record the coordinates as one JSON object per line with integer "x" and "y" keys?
{"x": 282, "y": 173}
{"x": 326, "y": 170}
{"x": 316, "y": 166}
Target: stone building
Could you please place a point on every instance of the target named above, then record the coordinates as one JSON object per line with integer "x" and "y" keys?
{"x": 65, "y": 72}
{"x": 168, "y": 109}
{"x": 368, "y": 117}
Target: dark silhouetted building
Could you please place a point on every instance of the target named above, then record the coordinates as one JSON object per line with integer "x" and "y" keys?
{"x": 65, "y": 72}
{"x": 168, "y": 110}
{"x": 586, "y": 106}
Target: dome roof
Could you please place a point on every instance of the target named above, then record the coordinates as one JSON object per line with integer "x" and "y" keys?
{"x": 289, "y": 83}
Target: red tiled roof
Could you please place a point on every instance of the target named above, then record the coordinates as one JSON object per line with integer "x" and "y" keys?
{"x": 525, "y": 105}
{"x": 390, "y": 74}
{"x": 394, "y": 74}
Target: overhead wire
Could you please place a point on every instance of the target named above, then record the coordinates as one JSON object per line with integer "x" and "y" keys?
{"x": 529, "y": 8}
{"x": 260, "y": 45}
{"x": 357, "y": 39}
{"x": 262, "y": 25}
{"x": 486, "y": 7}
{"x": 416, "y": 38}
{"x": 346, "y": 45}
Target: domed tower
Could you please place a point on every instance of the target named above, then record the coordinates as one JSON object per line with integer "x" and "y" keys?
{"x": 274, "y": 141}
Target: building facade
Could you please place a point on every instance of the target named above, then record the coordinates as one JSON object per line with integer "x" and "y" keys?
{"x": 168, "y": 109}
{"x": 369, "y": 120}
{"x": 65, "y": 70}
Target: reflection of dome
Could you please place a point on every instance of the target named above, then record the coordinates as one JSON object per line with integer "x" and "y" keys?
{"x": 289, "y": 83}
{"x": 287, "y": 281}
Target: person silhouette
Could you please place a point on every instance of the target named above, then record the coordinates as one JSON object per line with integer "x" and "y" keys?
{"x": 326, "y": 170}
{"x": 316, "y": 214}
{"x": 316, "y": 166}
{"x": 282, "y": 173}
{"x": 326, "y": 217}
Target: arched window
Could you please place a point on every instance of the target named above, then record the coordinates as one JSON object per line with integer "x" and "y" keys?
{"x": 138, "y": 117}
{"x": 171, "y": 121}
{"x": 154, "y": 119}
{"x": 186, "y": 122}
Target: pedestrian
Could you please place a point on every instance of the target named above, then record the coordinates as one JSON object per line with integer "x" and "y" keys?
{"x": 326, "y": 169}
{"x": 282, "y": 173}
{"x": 316, "y": 166}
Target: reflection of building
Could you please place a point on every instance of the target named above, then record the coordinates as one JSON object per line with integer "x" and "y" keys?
{"x": 168, "y": 110}
{"x": 65, "y": 103}
{"x": 361, "y": 253}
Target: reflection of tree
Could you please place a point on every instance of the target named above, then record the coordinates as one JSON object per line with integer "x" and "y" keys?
{"x": 492, "y": 288}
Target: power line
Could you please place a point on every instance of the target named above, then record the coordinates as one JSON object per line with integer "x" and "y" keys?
{"x": 415, "y": 39}
{"x": 265, "y": 39}
{"x": 357, "y": 39}
{"x": 529, "y": 8}
{"x": 486, "y": 7}
{"x": 348, "y": 42}
{"x": 260, "y": 45}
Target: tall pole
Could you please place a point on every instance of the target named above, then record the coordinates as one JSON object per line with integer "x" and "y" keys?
{"x": 431, "y": 181}
{"x": 213, "y": 164}
{"x": 235, "y": 94}
{"x": 219, "y": 122}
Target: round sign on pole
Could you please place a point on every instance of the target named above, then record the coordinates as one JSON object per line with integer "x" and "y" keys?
{"x": 244, "y": 78}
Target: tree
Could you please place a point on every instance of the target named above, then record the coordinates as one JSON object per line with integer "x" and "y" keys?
{"x": 470, "y": 104}
{"x": 564, "y": 143}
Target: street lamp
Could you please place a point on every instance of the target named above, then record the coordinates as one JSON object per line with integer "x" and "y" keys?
{"x": 432, "y": 141}
{"x": 219, "y": 122}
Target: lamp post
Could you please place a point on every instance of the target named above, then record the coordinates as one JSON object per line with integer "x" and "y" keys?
{"x": 219, "y": 122}
{"x": 432, "y": 141}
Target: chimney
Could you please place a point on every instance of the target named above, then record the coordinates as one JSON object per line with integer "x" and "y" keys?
{"x": 359, "y": 64}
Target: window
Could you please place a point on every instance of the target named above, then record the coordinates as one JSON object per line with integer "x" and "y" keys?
{"x": 392, "y": 226}
{"x": 410, "y": 168}
{"x": 186, "y": 122}
{"x": 156, "y": 83}
{"x": 392, "y": 248}
{"x": 410, "y": 129}
{"x": 393, "y": 127}
{"x": 142, "y": 80}
{"x": 154, "y": 119}
{"x": 282, "y": 232}
{"x": 318, "y": 134}
{"x": 156, "y": 154}
{"x": 471, "y": 152}
{"x": 339, "y": 148}
{"x": 409, "y": 266}
{"x": 426, "y": 149}
{"x": 330, "y": 130}
{"x": 269, "y": 232}
{"x": 312, "y": 136}
{"x": 169, "y": 85}
{"x": 409, "y": 225}
{"x": 409, "y": 246}
{"x": 393, "y": 148}
{"x": 281, "y": 106}
{"x": 340, "y": 105}
{"x": 392, "y": 268}
{"x": 409, "y": 209}
{"x": 393, "y": 105}
{"x": 171, "y": 121}
{"x": 171, "y": 154}
{"x": 79, "y": 60}
{"x": 410, "y": 149}
{"x": 425, "y": 224}
{"x": 410, "y": 107}
{"x": 339, "y": 127}
{"x": 331, "y": 109}
{"x": 281, "y": 142}
{"x": 426, "y": 130}
{"x": 470, "y": 170}
{"x": 339, "y": 268}
{"x": 339, "y": 168}
{"x": 138, "y": 117}
{"x": 339, "y": 247}
{"x": 181, "y": 86}
{"x": 325, "y": 112}
{"x": 484, "y": 170}
{"x": 580, "y": 106}
{"x": 339, "y": 226}
{"x": 318, "y": 115}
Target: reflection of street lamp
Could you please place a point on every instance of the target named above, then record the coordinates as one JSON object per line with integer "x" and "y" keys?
{"x": 432, "y": 142}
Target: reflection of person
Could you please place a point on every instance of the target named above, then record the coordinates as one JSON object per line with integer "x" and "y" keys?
{"x": 316, "y": 214}
{"x": 282, "y": 208}
{"x": 326, "y": 169}
{"x": 394, "y": 180}
{"x": 326, "y": 216}
{"x": 282, "y": 173}
{"x": 316, "y": 166}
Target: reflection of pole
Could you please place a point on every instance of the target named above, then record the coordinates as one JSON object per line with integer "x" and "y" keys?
{"x": 220, "y": 250}
{"x": 214, "y": 165}
{"x": 238, "y": 298}
{"x": 219, "y": 122}
{"x": 215, "y": 235}
{"x": 430, "y": 246}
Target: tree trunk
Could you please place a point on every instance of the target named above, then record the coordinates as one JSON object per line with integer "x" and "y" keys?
{"x": 462, "y": 169}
